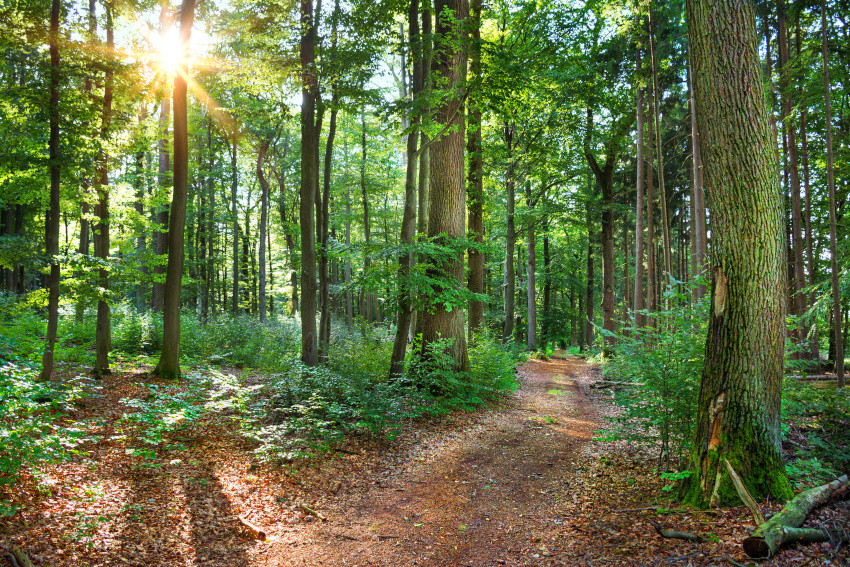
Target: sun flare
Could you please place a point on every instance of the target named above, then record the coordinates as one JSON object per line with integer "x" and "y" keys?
{"x": 168, "y": 52}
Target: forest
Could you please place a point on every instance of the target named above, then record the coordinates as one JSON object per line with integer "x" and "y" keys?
{"x": 424, "y": 282}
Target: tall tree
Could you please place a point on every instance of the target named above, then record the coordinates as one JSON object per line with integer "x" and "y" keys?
{"x": 169, "y": 360}
{"x": 447, "y": 199}
{"x": 309, "y": 180}
{"x": 741, "y": 386}
{"x": 103, "y": 331}
{"x": 52, "y": 224}
{"x": 475, "y": 181}
{"x": 830, "y": 172}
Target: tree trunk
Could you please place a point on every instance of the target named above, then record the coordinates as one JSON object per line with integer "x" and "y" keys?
{"x": 530, "y": 274}
{"x": 699, "y": 233}
{"x": 163, "y": 180}
{"x": 447, "y": 199}
{"x": 264, "y": 219}
{"x": 638, "y": 301}
{"x": 234, "y": 186}
{"x": 547, "y": 286}
{"x": 798, "y": 297}
{"x": 366, "y": 308}
{"x": 830, "y": 175}
{"x": 408, "y": 221}
{"x": 309, "y": 149}
{"x": 103, "y": 330}
{"x": 324, "y": 290}
{"x": 510, "y": 237}
{"x": 741, "y": 386}
{"x": 52, "y": 224}
{"x": 476, "y": 178}
{"x": 659, "y": 151}
{"x": 169, "y": 361}
{"x": 651, "y": 263}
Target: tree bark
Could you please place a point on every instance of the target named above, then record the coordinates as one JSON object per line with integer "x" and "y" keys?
{"x": 103, "y": 330}
{"x": 163, "y": 179}
{"x": 741, "y": 386}
{"x": 475, "y": 185}
{"x": 798, "y": 297}
{"x": 52, "y": 224}
{"x": 510, "y": 237}
{"x": 830, "y": 173}
{"x": 638, "y": 301}
{"x": 264, "y": 216}
{"x": 651, "y": 263}
{"x": 530, "y": 274}
{"x": 447, "y": 198}
{"x": 324, "y": 290}
{"x": 408, "y": 221}
{"x": 309, "y": 150}
{"x": 169, "y": 360}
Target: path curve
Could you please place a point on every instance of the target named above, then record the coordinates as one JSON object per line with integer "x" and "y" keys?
{"x": 481, "y": 496}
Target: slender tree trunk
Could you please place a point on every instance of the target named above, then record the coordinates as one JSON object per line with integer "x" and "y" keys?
{"x": 324, "y": 290}
{"x": 638, "y": 301}
{"x": 588, "y": 302}
{"x": 264, "y": 216}
{"x": 408, "y": 221}
{"x": 349, "y": 300}
{"x": 799, "y": 278}
{"x": 651, "y": 263}
{"x": 830, "y": 173}
{"x": 547, "y": 285}
{"x": 309, "y": 149}
{"x": 741, "y": 386}
{"x": 103, "y": 330}
{"x": 530, "y": 274}
{"x": 169, "y": 361}
{"x": 659, "y": 151}
{"x": 163, "y": 177}
{"x": 447, "y": 199}
{"x": 476, "y": 179}
{"x": 510, "y": 237}
{"x": 699, "y": 234}
{"x": 52, "y": 224}
{"x": 234, "y": 186}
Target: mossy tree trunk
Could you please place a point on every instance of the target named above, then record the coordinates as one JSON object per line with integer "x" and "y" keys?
{"x": 740, "y": 391}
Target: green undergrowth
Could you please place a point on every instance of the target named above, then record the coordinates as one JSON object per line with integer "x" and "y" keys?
{"x": 235, "y": 368}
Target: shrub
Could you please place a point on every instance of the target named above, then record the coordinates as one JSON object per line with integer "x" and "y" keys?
{"x": 664, "y": 360}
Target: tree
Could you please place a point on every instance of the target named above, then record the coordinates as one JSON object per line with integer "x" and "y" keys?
{"x": 169, "y": 360}
{"x": 52, "y": 225}
{"x": 444, "y": 320}
{"x": 740, "y": 390}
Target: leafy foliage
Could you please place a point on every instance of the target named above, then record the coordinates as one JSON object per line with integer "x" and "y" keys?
{"x": 664, "y": 361}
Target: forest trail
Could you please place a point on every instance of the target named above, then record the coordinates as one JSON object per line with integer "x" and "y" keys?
{"x": 477, "y": 497}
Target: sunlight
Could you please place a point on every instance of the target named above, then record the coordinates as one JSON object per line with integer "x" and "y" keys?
{"x": 168, "y": 52}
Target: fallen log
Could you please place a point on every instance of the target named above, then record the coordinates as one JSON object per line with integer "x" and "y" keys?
{"x": 18, "y": 558}
{"x": 255, "y": 532}
{"x": 673, "y": 534}
{"x": 784, "y": 527}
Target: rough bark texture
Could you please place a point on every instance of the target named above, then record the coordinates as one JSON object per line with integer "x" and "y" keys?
{"x": 605, "y": 178}
{"x": 740, "y": 391}
{"x": 309, "y": 149}
{"x": 52, "y": 224}
{"x": 447, "y": 200}
{"x": 830, "y": 172}
{"x": 169, "y": 360}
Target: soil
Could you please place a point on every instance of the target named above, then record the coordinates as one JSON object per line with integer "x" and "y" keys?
{"x": 521, "y": 482}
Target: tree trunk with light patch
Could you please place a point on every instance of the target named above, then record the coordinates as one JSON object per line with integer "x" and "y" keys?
{"x": 740, "y": 391}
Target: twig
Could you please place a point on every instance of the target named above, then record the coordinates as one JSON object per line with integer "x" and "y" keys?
{"x": 676, "y": 560}
{"x": 307, "y": 510}
{"x": 673, "y": 534}
{"x": 636, "y": 509}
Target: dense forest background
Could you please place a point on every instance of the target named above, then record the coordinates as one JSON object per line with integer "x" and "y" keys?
{"x": 346, "y": 180}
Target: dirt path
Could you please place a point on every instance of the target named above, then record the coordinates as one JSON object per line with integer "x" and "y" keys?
{"x": 480, "y": 496}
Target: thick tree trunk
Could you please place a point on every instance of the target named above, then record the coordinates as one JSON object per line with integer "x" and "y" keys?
{"x": 309, "y": 150}
{"x": 510, "y": 238}
{"x": 52, "y": 224}
{"x": 447, "y": 200}
{"x": 741, "y": 386}
{"x": 169, "y": 361}
{"x": 103, "y": 330}
{"x": 476, "y": 179}
{"x": 830, "y": 173}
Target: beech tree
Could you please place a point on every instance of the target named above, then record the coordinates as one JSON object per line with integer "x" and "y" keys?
{"x": 740, "y": 390}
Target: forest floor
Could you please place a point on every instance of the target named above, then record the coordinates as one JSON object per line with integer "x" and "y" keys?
{"x": 520, "y": 482}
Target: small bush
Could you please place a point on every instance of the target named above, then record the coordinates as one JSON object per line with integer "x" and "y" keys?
{"x": 664, "y": 361}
